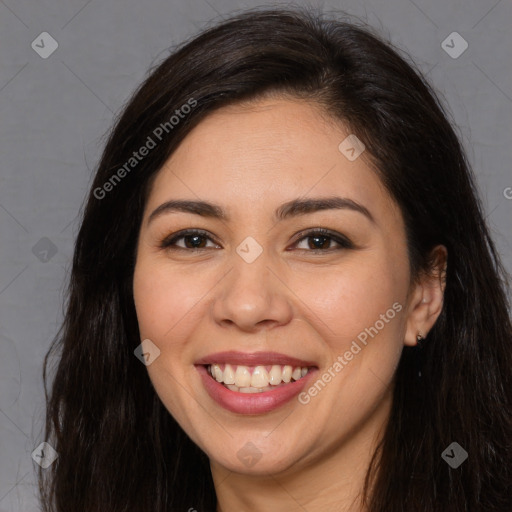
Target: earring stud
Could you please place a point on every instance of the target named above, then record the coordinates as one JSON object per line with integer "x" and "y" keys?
{"x": 418, "y": 355}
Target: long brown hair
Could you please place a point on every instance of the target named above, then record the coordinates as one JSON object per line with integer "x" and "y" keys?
{"x": 119, "y": 448}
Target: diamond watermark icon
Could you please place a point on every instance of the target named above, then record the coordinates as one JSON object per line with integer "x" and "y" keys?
{"x": 44, "y": 455}
{"x": 249, "y": 249}
{"x": 249, "y": 454}
{"x": 44, "y": 250}
{"x": 44, "y": 45}
{"x": 454, "y": 455}
{"x": 454, "y": 45}
{"x": 147, "y": 352}
{"x": 351, "y": 147}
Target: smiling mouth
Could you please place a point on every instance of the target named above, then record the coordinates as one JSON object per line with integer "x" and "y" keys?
{"x": 255, "y": 379}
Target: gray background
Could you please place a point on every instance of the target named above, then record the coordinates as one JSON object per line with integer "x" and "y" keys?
{"x": 55, "y": 111}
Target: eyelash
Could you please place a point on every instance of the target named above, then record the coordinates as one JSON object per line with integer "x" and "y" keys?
{"x": 168, "y": 242}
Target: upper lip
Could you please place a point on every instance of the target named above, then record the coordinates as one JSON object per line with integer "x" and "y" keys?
{"x": 253, "y": 359}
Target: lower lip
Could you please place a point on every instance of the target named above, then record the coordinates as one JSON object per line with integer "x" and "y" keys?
{"x": 252, "y": 403}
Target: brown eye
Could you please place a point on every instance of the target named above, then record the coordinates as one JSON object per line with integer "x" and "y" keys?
{"x": 192, "y": 239}
{"x": 321, "y": 240}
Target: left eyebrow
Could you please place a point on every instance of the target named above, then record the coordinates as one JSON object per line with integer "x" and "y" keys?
{"x": 292, "y": 208}
{"x": 305, "y": 206}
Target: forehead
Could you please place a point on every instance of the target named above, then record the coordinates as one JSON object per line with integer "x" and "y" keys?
{"x": 265, "y": 152}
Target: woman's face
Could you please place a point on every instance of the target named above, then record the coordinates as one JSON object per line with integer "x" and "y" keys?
{"x": 264, "y": 287}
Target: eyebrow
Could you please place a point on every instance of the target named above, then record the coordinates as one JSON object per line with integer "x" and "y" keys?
{"x": 287, "y": 210}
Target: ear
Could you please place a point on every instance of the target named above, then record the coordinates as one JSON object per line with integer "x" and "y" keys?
{"x": 426, "y": 297}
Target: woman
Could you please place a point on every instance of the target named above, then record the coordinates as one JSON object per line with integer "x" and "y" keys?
{"x": 284, "y": 295}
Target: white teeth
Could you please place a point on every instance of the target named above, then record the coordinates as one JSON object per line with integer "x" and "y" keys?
{"x": 229, "y": 375}
{"x": 275, "y": 375}
{"x": 250, "y": 390}
{"x": 287, "y": 373}
{"x": 242, "y": 377}
{"x": 217, "y": 373}
{"x": 261, "y": 379}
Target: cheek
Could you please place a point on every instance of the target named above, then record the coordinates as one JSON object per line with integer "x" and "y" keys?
{"x": 164, "y": 302}
{"x": 359, "y": 310}
{"x": 164, "y": 298}
{"x": 346, "y": 299}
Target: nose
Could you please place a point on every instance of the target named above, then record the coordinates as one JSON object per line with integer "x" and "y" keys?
{"x": 252, "y": 297}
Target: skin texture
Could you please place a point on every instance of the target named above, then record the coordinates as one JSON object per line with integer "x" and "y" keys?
{"x": 249, "y": 159}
